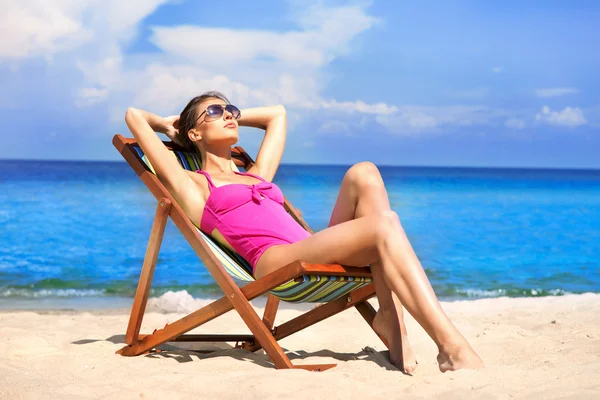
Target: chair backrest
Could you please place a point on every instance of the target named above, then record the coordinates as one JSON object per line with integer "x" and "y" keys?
{"x": 233, "y": 263}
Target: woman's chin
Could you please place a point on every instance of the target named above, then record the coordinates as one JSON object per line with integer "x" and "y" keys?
{"x": 226, "y": 138}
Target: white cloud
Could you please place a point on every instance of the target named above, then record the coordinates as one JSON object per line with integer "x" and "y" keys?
{"x": 33, "y": 28}
{"x": 569, "y": 116}
{"x": 326, "y": 33}
{"x": 91, "y": 95}
{"x": 555, "y": 92}
{"x": 164, "y": 88}
{"x": 515, "y": 123}
{"x": 252, "y": 67}
{"x": 360, "y": 106}
{"x": 415, "y": 119}
{"x": 190, "y": 42}
{"x": 497, "y": 70}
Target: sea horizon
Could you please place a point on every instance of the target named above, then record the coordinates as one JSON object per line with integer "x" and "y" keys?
{"x": 493, "y": 167}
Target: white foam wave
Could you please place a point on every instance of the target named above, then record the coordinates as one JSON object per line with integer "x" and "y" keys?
{"x": 482, "y": 293}
{"x": 176, "y": 302}
{"x": 479, "y": 293}
{"x": 28, "y": 293}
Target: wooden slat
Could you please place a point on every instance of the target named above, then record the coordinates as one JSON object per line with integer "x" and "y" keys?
{"x": 334, "y": 270}
{"x": 324, "y": 311}
{"x": 270, "y": 311}
{"x": 214, "y": 338}
{"x": 367, "y": 311}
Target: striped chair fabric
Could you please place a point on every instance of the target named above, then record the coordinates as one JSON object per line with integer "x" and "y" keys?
{"x": 304, "y": 289}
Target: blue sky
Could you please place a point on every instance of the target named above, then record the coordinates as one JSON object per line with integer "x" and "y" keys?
{"x": 456, "y": 83}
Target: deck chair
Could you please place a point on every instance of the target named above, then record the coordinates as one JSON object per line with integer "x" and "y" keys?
{"x": 337, "y": 287}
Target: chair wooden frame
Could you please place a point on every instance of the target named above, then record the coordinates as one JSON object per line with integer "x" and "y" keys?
{"x": 264, "y": 334}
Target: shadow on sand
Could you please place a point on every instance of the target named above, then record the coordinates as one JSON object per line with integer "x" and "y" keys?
{"x": 186, "y": 352}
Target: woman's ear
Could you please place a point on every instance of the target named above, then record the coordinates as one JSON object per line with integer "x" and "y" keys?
{"x": 194, "y": 135}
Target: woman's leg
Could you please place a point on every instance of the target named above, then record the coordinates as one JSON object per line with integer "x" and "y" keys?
{"x": 365, "y": 240}
{"x": 363, "y": 193}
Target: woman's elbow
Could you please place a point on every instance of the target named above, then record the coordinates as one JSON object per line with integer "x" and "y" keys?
{"x": 280, "y": 109}
{"x": 130, "y": 114}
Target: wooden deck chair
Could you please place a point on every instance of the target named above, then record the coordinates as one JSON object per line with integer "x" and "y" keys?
{"x": 337, "y": 286}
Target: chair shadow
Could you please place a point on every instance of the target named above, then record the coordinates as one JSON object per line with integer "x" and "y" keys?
{"x": 185, "y": 352}
{"x": 381, "y": 358}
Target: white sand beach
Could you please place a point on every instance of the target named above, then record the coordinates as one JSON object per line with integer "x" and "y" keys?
{"x": 533, "y": 348}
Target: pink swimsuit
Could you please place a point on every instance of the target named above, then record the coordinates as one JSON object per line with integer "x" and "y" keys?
{"x": 250, "y": 217}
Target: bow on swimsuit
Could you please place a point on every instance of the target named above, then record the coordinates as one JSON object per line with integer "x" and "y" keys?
{"x": 251, "y": 218}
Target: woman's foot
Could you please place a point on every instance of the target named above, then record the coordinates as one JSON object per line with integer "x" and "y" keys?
{"x": 458, "y": 357}
{"x": 401, "y": 354}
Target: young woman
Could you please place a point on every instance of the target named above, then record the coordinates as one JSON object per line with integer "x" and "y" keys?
{"x": 246, "y": 210}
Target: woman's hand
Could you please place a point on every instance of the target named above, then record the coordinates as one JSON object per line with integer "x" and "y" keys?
{"x": 168, "y": 125}
{"x": 171, "y": 128}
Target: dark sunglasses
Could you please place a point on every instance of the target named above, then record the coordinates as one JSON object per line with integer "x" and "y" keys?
{"x": 215, "y": 111}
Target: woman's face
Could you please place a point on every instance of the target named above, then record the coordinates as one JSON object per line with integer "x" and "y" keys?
{"x": 212, "y": 130}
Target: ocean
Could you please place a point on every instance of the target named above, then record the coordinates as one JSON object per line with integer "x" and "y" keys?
{"x": 77, "y": 231}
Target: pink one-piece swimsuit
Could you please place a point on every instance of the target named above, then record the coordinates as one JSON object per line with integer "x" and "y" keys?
{"x": 250, "y": 217}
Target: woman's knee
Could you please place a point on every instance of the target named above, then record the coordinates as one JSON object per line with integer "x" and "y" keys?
{"x": 387, "y": 223}
{"x": 364, "y": 174}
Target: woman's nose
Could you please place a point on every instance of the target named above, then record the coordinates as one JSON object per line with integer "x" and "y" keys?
{"x": 227, "y": 115}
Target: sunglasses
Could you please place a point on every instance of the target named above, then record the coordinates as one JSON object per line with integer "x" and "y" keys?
{"x": 215, "y": 111}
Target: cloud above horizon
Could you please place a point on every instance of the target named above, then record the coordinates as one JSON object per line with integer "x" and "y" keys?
{"x": 280, "y": 66}
{"x": 555, "y": 92}
{"x": 30, "y": 28}
{"x": 569, "y": 117}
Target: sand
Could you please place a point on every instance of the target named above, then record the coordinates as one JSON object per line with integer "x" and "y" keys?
{"x": 533, "y": 348}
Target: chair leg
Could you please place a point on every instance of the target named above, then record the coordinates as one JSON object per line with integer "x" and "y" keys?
{"x": 270, "y": 311}
{"x": 145, "y": 282}
{"x": 262, "y": 334}
{"x": 268, "y": 319}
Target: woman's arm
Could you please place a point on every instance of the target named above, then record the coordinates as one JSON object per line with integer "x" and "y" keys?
{"x": 273, "y": 120}
{"x": 143, "y": 126}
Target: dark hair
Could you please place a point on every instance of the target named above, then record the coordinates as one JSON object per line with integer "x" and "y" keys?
{"x": 189, "y": 115}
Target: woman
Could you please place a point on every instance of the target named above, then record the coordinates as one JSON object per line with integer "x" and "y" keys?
{"x": 363, "y": 230}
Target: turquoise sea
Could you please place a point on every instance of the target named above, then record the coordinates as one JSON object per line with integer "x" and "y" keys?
{"x": 78, "y": 230}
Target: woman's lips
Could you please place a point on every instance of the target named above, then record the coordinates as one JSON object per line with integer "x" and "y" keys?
{"x": 230, "y": 125}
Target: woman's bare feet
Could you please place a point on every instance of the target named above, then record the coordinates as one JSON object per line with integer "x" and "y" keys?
{"x": 401, "y": 354}
{"x": 458, "y": 357}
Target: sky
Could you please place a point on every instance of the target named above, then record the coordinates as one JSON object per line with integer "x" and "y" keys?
{"x": 452, "y": 83}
